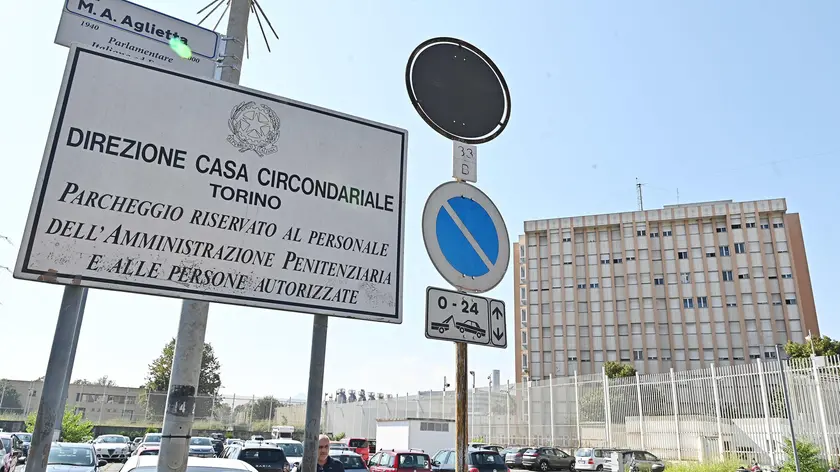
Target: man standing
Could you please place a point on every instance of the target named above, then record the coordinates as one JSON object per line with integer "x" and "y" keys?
{"x": 325, "y": 462}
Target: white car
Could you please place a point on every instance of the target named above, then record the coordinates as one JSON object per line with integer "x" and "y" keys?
{"x": 293, "y": 449}
{"x": 112, "y": 447}
{"x": 589, "y": 458}
{"x": 194, "y": 464}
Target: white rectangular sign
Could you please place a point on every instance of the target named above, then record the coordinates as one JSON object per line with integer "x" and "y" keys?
{"x": 464, "y": 162}
{"x": 456, "y": 316}
{"x": 159, "y": 183}
{"x": 125, "y": 28}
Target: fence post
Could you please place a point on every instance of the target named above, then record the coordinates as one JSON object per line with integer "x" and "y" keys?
{"x": 104, "y": 398}
{"x": 607, "y": 413}
{"x": 765, "y": 404}
{"x": 577, "y": 411}
{"x": 717, "y": 411}
{"x": 821, "y": 406}
{"x": 641, "y": 415}
{"x": 676, "y": 413}
{"x": 406, "y": 404}
{"x": 551, "y": 404}
{"x": 489, "y": 413}
{"x": 507, "y": 411}
{"x": 528, "y": 396}
{"x": 430, "y": 404}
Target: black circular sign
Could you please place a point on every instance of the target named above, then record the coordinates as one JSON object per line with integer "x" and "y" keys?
{"x": 458, "y": 90}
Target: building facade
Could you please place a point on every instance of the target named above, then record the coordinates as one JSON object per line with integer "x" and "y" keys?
{"x": 681, "y": 287}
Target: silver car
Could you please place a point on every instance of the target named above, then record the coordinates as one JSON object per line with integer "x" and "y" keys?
{"x": 592, "y": 458}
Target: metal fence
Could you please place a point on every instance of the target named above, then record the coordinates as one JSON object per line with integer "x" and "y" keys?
{"x": 704, "y": 414}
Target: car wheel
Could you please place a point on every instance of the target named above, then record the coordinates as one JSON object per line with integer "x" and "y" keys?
{"x": 599, "y": 468}
{"x": 544, "y": 466}
{"x": 572, "y": 466}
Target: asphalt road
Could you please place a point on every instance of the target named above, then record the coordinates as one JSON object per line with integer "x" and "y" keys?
{"x": 111, "y": 467}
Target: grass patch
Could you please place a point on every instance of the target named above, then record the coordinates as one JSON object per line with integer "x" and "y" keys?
{"x": 729, "y": 465}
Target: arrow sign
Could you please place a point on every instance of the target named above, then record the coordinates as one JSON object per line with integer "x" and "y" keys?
{"x": 498, "y": 326}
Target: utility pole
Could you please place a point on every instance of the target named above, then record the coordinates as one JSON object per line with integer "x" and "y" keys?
{"x": 192, "y": 326}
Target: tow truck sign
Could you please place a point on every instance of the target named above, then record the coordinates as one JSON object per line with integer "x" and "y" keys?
{"x": 456, "y": 316}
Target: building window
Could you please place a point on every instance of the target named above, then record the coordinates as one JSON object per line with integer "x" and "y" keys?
{"x": 595, "y": 285}
{"x": 778, "y": 225}
{"x": 658, "y": 281}
{"x": 721, "y": 229}
{"x": 617, "y": 261}
{"x": 790, "y": 301}
{"x": 724, "y": 251}
{"x": 745, "y": 275}
{"x": 727, "y": 276}
{"x": 765, "y": 226}
{"x": 637, "y": 355}
{"x": 739, "y": 248}
{"x": 605, "y": 261}
{"x": 736, "y": 226}
{"x": 702, "y": 303}
{"x": 654, "y": 234}
{"x": 666, "y": 232}
{"x": 682, "y": 255}
{"x": 787, "y": 276}
{"x": 688, "y": 303}
{"x": 751, "y": 224}
{"x": 685, "y": 277}
{"x": 641, "y": 232}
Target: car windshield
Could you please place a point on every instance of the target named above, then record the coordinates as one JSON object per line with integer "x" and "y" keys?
{"x": 25, "y": 437}
{"x": 357, "y": 443}
{"x": 152, "y": 438}
{"x": 111, "y": 439}
{"x": 292, "y": 449}
{"x": 149, "y": 452}
{"x": 70, "y": 455}
{"x": 7, "y": 443}
{"x": 350, "y": 462}
{"x": 201, "y": 442}
{"x": 486, "y": 458}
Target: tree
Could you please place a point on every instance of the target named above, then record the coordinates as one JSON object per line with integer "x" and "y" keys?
{"x": 157, "y": 383}
{"x": 81, "y": 382}
{"x": 823, "y": 346}
{"x": 9, "y": 397}
{"x": 74, "y": 428}
{"x": 262, "y": 408}
{"x": 809, "y": 455}
{"x": 209, "y": 380}
{"x": 105, "y": 381}
{"x": 616, "y": 369}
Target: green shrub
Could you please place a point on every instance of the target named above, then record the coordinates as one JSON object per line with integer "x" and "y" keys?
{"x": 810, "y": 459}
{"x": 728, "y": 465}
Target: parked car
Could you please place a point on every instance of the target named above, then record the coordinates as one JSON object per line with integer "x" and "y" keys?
{"x": 112, "y": 447}
{"x": 201, "y": 447}
{"x": 481, "y": 460}
{"x": 399, "y": 461}
{"x": 152, "y": 439}
{"x": 26, "y": 438}
{"x": 351, "y": 461}
{"x": 589, "y": 458}
{"x": 547, "y": 458}
{"x": 12, "y": 448}
{"x": 293, "y": 449}
{"x": 645, "y": 461}
{"x": 513, "y": 456}
{"x": 73, "y": 457}
{"x": 261, "y": 455}
{"x": 194, "y": 464}
{"x": 146, "y": 450}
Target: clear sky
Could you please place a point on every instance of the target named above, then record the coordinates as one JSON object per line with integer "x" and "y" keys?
{"x": 720, "y": 99}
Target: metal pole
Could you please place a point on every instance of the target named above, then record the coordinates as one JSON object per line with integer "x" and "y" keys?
{"x": 179, "y": 412}
{"x": 313, "y": 396}
{"x": 461, "y": 421}
{"x": 766, "y": 407}
{"x": 507, "y": 412}
{"x": 551, "y": 404}
{"x": 641, "y": 415}
{"x": 577, "y": 411}
{"x": 528, "y": 399}
{"x": 59, "y": 419}
{"x": 59, "y": 362}
{"x": 787, "y": 407}
{"x": 676, "y": 413}
{"x": 717, "y": 411}
{"x": 607, "y": 414}
{"x": 189, "y": 346}
{"x": 490, "y": 411}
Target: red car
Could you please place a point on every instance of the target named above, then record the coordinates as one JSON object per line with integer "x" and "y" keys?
{"x": 12, "y": 448}
{"x": 400, "y": 461}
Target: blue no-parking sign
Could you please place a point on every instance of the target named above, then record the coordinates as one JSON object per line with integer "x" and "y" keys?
{"x": 466, "y": 237}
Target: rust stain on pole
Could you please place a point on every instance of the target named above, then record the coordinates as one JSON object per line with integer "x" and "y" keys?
{"x": 461, "y": 425}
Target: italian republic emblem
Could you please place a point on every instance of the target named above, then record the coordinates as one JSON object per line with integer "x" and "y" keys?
{"x": 254, "y": 127}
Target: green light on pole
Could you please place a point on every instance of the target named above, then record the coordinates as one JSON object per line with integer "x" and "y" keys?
{"x": 180, "y": 48}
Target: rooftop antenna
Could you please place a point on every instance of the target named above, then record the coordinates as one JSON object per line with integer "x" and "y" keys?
{"x": 639, "y": 195}
{"x": 256, "y": 9}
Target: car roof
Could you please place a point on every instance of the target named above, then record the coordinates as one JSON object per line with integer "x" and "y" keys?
{"x": 260, "y": 445}
{"x": 283, "y": 441}
{"x": 343, "y": 452}
{"x": 70, "y": 444}
{"x": 134, "y": 462}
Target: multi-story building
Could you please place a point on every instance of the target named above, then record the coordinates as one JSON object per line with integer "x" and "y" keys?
{"x": 680, "y": 287}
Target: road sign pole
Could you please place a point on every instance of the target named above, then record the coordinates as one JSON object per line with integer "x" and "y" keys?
{"x": 192, "y": 326}
{"x": 59, "y": 419}
{"x": 56, "y": 376}
{"x": 461, "y": 421}
{"x": 311, "y": 430}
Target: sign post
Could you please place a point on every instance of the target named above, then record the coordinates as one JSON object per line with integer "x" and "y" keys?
{"x": 461, "y": 94}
